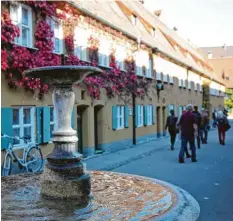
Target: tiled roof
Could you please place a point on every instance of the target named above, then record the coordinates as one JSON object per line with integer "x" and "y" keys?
{"x": 111, "y": 11}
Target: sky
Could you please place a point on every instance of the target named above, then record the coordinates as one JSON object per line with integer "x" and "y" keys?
{"x": 204, "y": 22}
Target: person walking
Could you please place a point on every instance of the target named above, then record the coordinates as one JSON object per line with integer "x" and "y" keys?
{"x": 214, "y": 116}
{"x": 171, "y": 125}
{"x": 204, "y": 126}
{"x": 198, "y": 122}
{"x": 188, "y": 133}
{"x": 222, "y": 123}
{"x": 179, "y": 128}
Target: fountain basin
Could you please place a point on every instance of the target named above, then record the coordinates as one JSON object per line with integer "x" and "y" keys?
{"x": 114, "y": 196}
{"x": 62, "y": 75}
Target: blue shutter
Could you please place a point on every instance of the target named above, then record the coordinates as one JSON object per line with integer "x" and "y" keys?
{"x": 136, "y": 115}
{"x": 73, "y": 119}
{"x": 145, "y": 113}
{"x": 153, "y": 114}
{"x": 39, "y": 116}
{"x": 126, "y": 116}
{"x": 6, "y": 125}
{"x": 46, "y": 124}
{"x": 114, "y": 117}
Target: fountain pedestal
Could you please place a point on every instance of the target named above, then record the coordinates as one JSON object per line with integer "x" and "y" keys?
{"x": 64, "y": 175}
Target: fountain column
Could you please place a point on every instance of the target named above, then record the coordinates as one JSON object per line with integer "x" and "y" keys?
{"x": 64, "y": 175}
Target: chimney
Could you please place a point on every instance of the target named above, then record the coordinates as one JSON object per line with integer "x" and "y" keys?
{"x": 210, "y": 55}
{"x": 141, "y": 1}
{"x": 158, "y": 12}
{"x": 175, "y": 29}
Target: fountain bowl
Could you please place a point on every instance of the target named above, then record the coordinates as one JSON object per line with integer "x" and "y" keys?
{"x": 63, "y": 75}
{"x": 114, "y": 196}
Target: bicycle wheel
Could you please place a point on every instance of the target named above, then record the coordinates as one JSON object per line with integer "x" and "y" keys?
{"x": 7, "y": 164}
{"x": 34, "y": 159}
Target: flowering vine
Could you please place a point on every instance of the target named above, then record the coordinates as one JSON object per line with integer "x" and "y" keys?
{"x": 114, "y": 81}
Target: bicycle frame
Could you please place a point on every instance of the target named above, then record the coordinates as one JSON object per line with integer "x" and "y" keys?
{"x": 11, "y": 151}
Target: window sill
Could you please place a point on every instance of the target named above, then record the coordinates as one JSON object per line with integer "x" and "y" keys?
{"x": 29, "y": 47}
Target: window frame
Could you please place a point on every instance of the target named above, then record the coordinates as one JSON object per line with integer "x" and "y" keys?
{"x": 22, "y": 125}
{"x": 120, "y": 117}
{"x": 149, "y": 115}
{"x": 140, "y": 116}
{"x": 19, "y": 9}
{"x": 52, "y": 23}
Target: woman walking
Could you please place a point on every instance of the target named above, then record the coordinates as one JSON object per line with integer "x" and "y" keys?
{"x": 222, "y": 124}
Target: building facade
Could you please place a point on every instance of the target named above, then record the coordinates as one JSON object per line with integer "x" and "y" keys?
{"x": 128, "y": 29}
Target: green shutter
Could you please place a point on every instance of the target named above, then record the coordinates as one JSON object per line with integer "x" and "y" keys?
{"x": 153, "y": 114}
{"x": 39, "y": 116}
{"x": 145, "y": 113}
{"x": 126, "y": 116}
{"x": 46, "y": 124}
{"x": 73, "y": 119}
{"x": 6, "y": 125}
{"x": 136, "y": 115}
{"x": 114, "y": 117}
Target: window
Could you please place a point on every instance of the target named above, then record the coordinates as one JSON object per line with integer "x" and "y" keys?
{"x": 149, "y": 69}
{"x": 195, "y": 86}
{"x": 180, "y": 82}
{"x": 171, "y": 80}
{"x": 165, "y": 78}
{"x": 139, "y": 70}
{"x": 58, "y": 35}
{"x": 104, "y": 60}
{"x": 120, "y": 117}
{"x": 120, "y": 57}
{"x": 184, "y": 83}
{"x": 81, "y": 53}
{"x": 52, "y": 121}
{"x": 21, "y": 16}
{"x": 201, "y": 89}
{"x": 158, "y": 76}
{"x": 189, "y": 85}
{"x": 23, "y": 123}
{"x": 134, "y": 19}
{"x": 149, "y": 109}
{"x": 140, "y": 115}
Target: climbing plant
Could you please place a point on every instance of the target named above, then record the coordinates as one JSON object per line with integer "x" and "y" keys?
{"x": 16, "y": 59}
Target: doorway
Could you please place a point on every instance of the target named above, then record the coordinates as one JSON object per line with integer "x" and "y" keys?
{"x": 164, "y": 120}
{"x": 80, "y": 111}
{"x": 158, "y": 118}
{"x": 98, "y": 127}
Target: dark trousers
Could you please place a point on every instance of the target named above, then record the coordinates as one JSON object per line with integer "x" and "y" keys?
{"x": 204, "y": 133}
{"x": 173, "y": 137}
{"x": 221, "y": 135}
{"x": 184, "y": 142}
{"x": 199, "y": 138}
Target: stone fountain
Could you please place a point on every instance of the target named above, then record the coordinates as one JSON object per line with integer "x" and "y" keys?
{"x": 65, "y": 188}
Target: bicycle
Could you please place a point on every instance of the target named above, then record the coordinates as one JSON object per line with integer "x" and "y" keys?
{"x": 32, "y": 159}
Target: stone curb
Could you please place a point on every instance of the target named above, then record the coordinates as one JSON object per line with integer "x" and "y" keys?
{"x": 186, "y": 207}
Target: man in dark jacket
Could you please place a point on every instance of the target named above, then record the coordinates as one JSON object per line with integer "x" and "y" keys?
{"x": 171, "y": 125}
{"x": 188, "y": 133}
{"x": 198, "y": 122}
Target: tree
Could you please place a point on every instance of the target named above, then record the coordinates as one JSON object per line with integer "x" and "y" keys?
{"x": 229, "y": 101}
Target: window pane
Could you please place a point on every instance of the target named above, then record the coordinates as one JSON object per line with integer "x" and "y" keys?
{"x": 25, "y": 32}
{"x": 16, "y": 133}
{"x": 14, "y": 14}
{"x": 27, "y": 131}
{"x": 57, "y": 45}
{"x": 27, "y": 116}
{"x": 15, "y": 116}
{"x": 24, "y": 16}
